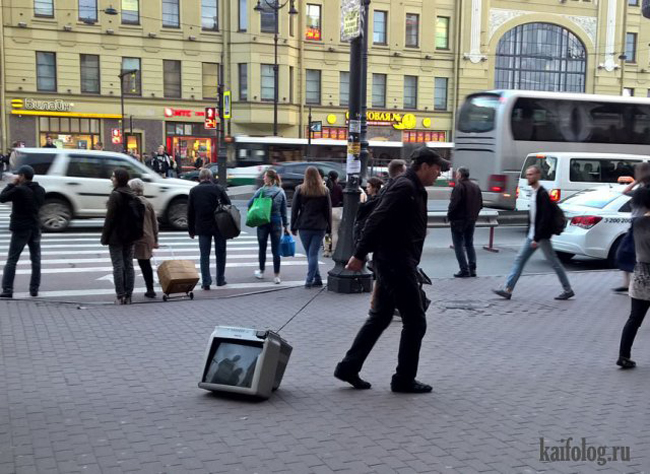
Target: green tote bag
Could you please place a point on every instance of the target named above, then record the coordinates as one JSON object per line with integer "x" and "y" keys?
{"x": 260, "y": 212}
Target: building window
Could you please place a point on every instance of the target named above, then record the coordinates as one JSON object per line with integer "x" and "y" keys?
{"x": 88, "y": 11}
{"x": 132, "y": 82}
{"x": 209, "y": 15}
{"x": 268, "y": 82}
{"x": 89, "y": 73}
{"x": 243, "y": 15}
{"x": 44, "y": 8}
{"x": 630, "y": 47}
{"x": 379, "y": 90}
{"x": 344, "y": 89}
{"x": 313, "y": 86}
{"x": 267, "y": 18}
{"x": 313, "y": 22}
{"x": 171, "y": 17}
{"x": 46, "y": 71}
{"x": 379, "y": 27}
{"x": 540, "y": 56}
{"x": 410, "y": 92}
{"x": 442, "y": 32}
{"x": 172, "y": 78}
{"x": 243, "y": 82}
{"x": 210, "y": 80}
{"x": 441, "y": 86}
{"x": 628, "y": 92}
{"x": 130, "y": 12}
{"x": 633, "y": 3}
{"x": 291, "y": 84}
{"x": 412, "y": 30}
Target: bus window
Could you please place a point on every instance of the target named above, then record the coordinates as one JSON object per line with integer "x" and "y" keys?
{"x": 600, "y": 171}
{"x": 548, "y": 165}
{"x": 477, "y": 114}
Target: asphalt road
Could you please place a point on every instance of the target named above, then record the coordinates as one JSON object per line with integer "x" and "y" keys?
{"x": 77, "y": 268}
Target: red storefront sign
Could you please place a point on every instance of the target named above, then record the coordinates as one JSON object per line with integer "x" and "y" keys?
{"x": 333, "y": 133}
{"x": 422, "y": 136}
{"x": 169, "y": 112}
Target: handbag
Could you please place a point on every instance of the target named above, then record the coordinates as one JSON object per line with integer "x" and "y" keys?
{"x": 287, "y": 246}
{"x": 260, "y": 211}
{"x": 228, "y": 219}
{"x": 626, "y": 252}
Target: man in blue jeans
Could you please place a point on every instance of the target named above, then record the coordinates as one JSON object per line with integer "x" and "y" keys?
{"x": 540, "y": 225}
{"x": 26, "y": 197}
{"x": 203, "y": 201}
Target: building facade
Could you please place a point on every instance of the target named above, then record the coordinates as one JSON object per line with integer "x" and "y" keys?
{"x": 61, "y": 60}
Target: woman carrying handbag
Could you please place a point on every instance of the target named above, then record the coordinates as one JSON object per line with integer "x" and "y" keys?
{"x": 272, "y": 225}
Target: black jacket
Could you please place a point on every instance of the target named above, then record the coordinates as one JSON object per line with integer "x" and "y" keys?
{"x": 466, "y": 201}
{"x": 336, "y": 195}
{"x": 543, "y": 216}
{"x": 396, "y": 229}
{"x": 26, "y": 199}
{"x": 203, "y": 201}
{"x": 116, "y": 223}
{"x": 311, "y": 212}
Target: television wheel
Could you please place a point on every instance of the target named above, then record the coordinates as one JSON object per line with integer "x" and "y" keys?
{"x": 165, "y": 298}
{"x": 191, "y": 294}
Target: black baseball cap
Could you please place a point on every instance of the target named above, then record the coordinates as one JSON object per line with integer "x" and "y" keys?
{"x": 430, "y": 157}
{"x": 27, "y": 171}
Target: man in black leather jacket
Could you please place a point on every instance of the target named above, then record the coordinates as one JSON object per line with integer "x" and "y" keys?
{"x": 395, "y": 232}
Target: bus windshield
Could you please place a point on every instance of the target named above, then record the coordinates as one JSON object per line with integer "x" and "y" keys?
{"x": 477, "y": 115}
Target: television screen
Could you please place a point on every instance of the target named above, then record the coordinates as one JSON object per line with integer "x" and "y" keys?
{"x": 233, "y": 364}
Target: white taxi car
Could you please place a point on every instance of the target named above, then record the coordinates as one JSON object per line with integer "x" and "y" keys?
{"x": 597, "y": 219}
{"x": 77, "y": 185}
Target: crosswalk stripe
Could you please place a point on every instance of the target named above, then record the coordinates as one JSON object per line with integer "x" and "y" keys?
{"x": 176, "y": 251}
{"x": 190, "y": 244}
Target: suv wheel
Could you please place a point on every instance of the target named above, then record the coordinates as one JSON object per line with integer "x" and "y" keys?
{"x": 55, "y": 215}
{"x": 177, "y": 214}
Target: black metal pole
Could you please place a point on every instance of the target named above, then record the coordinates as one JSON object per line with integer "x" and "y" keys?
{"x": 122, "y": 114}
{"x": 365, "y": 154}
{"x": 309, "y": 136}
{"x": 276, "y": 10}
{"x": 222, "y": 156}
{"x": 341, "y": 280}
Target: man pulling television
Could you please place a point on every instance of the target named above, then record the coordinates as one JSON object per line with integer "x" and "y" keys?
{"x": 395, "y": 233}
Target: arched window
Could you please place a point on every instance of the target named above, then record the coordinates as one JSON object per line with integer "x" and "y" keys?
{"x": 541, "y": 57}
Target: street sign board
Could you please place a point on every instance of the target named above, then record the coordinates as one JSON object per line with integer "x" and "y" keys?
{"x": 350, "y": 19}
{"x": 210, "y": 118}
{"x": 116, "y": 136}
{"x": 227, "y": 107}
{"x": 317, "y": 127}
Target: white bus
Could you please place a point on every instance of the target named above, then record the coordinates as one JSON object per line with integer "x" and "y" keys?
{"x": 496, "y": 130}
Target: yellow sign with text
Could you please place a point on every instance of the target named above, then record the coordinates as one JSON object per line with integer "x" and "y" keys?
{"x": 398, "y": 120}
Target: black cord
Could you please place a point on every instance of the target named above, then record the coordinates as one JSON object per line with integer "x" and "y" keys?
{"x": 302, "y": 309}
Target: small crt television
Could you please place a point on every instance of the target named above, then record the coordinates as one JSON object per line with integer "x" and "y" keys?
{"x": 244, "y": 361}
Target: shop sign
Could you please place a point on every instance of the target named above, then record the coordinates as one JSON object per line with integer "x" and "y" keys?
{"x": 423, "y": 136}
{"x": 187, "y": 113}
{"x": 45, "y": 105}
{"x": 397, "y": 120}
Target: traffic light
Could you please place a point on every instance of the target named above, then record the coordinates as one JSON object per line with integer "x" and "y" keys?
{"x": 210, "y": 118}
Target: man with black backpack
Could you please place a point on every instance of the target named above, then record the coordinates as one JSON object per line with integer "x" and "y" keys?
{"x": 545, "y": 218}
{"x": 124, "y": 225}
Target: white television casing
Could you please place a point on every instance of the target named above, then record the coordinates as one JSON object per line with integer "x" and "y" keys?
{"x": 244, "y": 361}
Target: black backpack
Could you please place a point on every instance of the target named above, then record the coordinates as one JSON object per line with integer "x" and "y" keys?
{"x": 134, "y": 211}
{"x": 559, "y": 221}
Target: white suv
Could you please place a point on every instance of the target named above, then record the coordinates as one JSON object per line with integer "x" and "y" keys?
{"x": 77, "y": 185}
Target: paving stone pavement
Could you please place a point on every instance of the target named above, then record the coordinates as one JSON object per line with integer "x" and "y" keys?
{"x": 110, "y": 390}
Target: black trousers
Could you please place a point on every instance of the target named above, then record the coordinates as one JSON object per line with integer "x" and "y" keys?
{"x": 147, "y": 273}
{"x": 639, "y": 310}
{"x": 395, "y": 288}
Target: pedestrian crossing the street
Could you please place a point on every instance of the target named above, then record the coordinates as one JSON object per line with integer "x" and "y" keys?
{"x": 75, "y": 264}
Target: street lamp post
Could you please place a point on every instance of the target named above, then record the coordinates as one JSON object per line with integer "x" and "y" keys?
{"x": 122, "y": 75}
{"x": 276, "y": 6}
{"x": 340, "y": 279}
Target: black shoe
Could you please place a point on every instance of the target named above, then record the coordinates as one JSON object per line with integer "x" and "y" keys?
{"x": 33, "y": 293}
{"x": 6, "y": 294}
{"x": 309, "y": 284}
{"x": 318, "y": 283}
{"x": 472, "y": 273}
{"x": 127, "y": 299}
{"x": 620, "y": 289}
{"x": 411, "y": 387}
{"x": 222, "y": 283}
{"x": 462, "y": 274}
{"x": 565, "y": 295}
{"x": 353, "y": 379}
{"x": 625, "y": 363}
{"x": 150, "y": 294}
{"x": 206, "y": 287}
{"x": 503, "y": 293}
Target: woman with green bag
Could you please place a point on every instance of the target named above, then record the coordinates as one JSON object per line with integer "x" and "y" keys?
{"x": 267, "y": 210}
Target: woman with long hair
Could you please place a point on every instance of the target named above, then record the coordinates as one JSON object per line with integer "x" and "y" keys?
{"x": 311, "y": 215}
{"x": 143, "y": 250}
{"x": 272, "y": 188}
